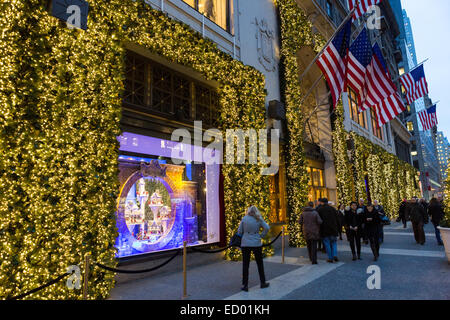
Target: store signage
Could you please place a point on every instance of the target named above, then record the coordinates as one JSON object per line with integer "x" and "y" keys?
{"x": 73, "y": 12}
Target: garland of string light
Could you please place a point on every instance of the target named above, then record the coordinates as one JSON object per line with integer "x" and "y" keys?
{"x": 390, "y": 179}
{"x": 296, "y": 32}
{"x": 60, "y": 103}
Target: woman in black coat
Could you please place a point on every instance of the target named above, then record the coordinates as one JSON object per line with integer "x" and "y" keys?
{"x": 372, "y": 223}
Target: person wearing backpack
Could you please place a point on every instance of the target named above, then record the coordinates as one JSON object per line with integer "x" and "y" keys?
{"x": 249, "y": 229}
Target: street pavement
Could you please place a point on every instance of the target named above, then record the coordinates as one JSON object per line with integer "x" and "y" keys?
{"x": 408, "y": 271}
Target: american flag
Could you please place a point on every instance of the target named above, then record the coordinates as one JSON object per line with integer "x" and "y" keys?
{"x": 378, "y": 84}
{"x": 333, "y": 61}
{"x": 389, "y": 108}
{"x": 361, "y": 6}
{"x": 415, "y": 84}
{"x": 428, "y": 118}
{"x": 359, "y": 58}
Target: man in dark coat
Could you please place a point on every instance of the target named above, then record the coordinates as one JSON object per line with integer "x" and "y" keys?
{"x": 418, "y": 218}
{"x": 380, "y": 209}
{"x": 372, "y": 223}
{"x": 310, "y": 222}
{"x": 353, "y": 225}
{"x": 436, "y": 213}
{"x": 329, "y": 229}
{"x": 361, "y": 209}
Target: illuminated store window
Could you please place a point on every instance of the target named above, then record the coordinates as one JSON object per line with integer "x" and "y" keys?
{"x": 358, "y": 117}
{"x": 218, "y": 11}
{"x": 162, "y": 203}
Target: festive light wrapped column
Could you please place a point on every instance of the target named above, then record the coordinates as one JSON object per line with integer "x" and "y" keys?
{"x": 344, "y": 175}
{"x": 296, "y": 32}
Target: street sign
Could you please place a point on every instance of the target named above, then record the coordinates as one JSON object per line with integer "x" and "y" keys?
{"x": 73, "y": 12}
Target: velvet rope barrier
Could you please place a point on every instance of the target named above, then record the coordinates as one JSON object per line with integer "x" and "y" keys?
{"x": 23, "y": 295}
{"x": 137, "y": 271}
{"x": 227, "y": 247}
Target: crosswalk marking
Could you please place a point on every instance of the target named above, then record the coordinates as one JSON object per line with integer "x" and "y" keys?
{"x": 284, "y": 284}
{"x": 400, "y": 252}
{"x": 407, "y": 234}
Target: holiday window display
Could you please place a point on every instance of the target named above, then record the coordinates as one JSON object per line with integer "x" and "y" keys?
{"x": 162, "y": 204}
{"x": 148, "y": 215}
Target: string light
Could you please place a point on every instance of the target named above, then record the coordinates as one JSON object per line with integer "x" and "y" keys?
{"x": 60, "y": 109}
{"x": 296, "y": 33}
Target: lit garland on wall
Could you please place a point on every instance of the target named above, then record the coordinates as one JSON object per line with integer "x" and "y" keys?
{"x": 446, "y": 220}
{"x": 60, "y": 100}
{"x": 296, "y": 32}
{"x": 390, "y": 179}
{"x": 59, "y": 118}
{"x": 344, "y": 176}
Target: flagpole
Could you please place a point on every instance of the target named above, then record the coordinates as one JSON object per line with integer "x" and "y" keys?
{"x": 419, "y": 64}
{"x": 398, "y": 78}
{"x": 350, "y": 15}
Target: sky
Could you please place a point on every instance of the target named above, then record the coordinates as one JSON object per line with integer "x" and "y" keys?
{"x": 430, "y": 21}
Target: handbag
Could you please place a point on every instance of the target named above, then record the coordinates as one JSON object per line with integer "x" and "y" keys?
{"x": 235, "y": 240}
{"x": 385, "y": 220}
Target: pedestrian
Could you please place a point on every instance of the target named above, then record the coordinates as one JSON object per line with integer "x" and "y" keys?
{"x": 436, "y": 213}
{"x": 372, "y": 223}
{"x": 329, "y": 229}
{"x": 341, "y": 214}
{"x": 353, "y": 225}
{"x": 320, "y": 245}
{"x": 310, "y": 222}
{"x": 418, "y": 218}
{"x": 402, "y": 213}
{"x": 361, "y": 209}
{"x": 382, "y": 215}
{"x": 249, "y": 229}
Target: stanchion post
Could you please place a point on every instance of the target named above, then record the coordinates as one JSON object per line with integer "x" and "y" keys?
{"x": 184, "y": 270}
{"x": 282, "y": 244}
{"x": 86, "y": 276}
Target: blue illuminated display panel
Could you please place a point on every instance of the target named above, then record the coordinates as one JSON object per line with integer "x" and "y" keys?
{"x": 162, "y": 204}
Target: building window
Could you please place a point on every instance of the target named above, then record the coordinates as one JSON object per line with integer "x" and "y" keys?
{"x": 377, "y": 132}
{"x": 218, "y": 11}
{"x": 329, "y": 9}
{"x": 317, "y": 188}
{"x": 410, "y": 126}
{"x": 358, "y": 117}
{"x": 154, "y": 88}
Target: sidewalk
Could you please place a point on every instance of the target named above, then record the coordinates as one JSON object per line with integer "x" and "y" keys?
{"x": 409, "y": 271}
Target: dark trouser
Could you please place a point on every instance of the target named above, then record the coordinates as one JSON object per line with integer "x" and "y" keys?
{"x": 354, "y": 238}
{"x": 257, "y": 251}
{"x": 364, "y": 234}
{"x": 312, "y": 250}
{"x": 419, "y": 233}
{"x": 438, "y": 233}
{"x": 381, "y": 237}
{"x": 404, "y": 221}
{"x": 374, "y": 244}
